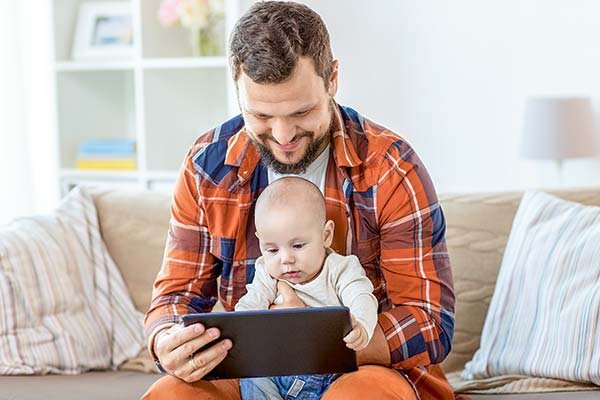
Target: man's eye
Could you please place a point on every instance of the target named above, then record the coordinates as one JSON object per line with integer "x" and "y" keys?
{"x": 298, "y": 245}
{"x": 261, "y": 117}
{"x": 302, "y": 113}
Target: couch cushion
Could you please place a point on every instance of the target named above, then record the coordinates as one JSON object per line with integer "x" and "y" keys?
{"x": 91, "y": 385}
{"x": 547, "y": 296}
{"x": 134, "y": 227}
{"x": 478, "y": 225}
{"x": 64, "y": 306}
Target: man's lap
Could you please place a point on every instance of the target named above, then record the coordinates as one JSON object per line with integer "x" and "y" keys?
{"x": 370, "y": 381}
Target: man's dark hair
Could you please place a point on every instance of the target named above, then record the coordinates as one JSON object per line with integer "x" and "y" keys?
{"x": 270, "y": 37}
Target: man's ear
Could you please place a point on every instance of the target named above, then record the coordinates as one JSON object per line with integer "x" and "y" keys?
{"x": 333, "y": 79}
{"x": 328, "y": 233}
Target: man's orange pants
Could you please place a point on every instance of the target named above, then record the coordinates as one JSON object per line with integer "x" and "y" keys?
{"x": 369, "y": 382}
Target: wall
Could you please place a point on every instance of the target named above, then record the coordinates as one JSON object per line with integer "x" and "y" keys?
{"x": 28, "y": 165}
{"x": 453, "y": 77}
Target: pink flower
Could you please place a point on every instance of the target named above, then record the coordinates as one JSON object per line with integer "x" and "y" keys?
{"x": 167, "y": 13}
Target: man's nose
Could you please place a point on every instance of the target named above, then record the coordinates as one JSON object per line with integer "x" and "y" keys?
{"x": 283, "y": 132}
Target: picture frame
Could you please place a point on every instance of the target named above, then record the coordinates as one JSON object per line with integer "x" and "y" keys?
{"x": 104, "y": 31}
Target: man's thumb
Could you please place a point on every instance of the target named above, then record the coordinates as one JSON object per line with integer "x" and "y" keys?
{"x": 284, "y": 289}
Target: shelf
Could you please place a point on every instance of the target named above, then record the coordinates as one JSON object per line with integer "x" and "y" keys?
{"x": 150, "y": 63}
{"x": 184, "y": 62}
{"x": 107, "y": 174}
{"x": 161, "y": 175}
{"x": 93, "y": 105}
{"x": 97, "y": 174}
{"x": 94, "y": 66}
{"x": 163, "y": 97}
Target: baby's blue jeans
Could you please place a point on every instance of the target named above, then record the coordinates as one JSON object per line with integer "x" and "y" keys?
{"x": 293, "y": 387}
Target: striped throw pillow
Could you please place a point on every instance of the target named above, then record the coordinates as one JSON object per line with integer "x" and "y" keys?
{"x": 64, "y": 307}
{"x": 544, "y": 316}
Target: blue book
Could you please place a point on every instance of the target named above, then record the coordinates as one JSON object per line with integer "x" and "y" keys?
{"x": 114, "y": 146}
{"x": 106, "y": 153}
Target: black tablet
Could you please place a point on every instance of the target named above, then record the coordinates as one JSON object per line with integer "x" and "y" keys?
{"x": 291, "y": 341}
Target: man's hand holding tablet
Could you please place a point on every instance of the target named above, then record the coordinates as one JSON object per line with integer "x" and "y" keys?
{"x": 176, "y": 348}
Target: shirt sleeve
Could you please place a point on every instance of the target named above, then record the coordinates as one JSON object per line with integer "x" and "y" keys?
{"x": 261, "y": 292}
{"x": 187, "y": 280}
{"x": 356, "y": 292}
{"x": 414, "y": 260}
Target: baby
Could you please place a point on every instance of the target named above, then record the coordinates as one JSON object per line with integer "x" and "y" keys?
{"x": 294, "y": 238}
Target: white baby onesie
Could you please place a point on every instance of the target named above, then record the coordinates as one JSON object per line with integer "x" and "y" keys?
{"x": 342, "y": 281}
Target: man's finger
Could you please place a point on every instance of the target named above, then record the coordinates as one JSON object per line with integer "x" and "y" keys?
{"x": 204, "y": 359}
{"x": 289, "y": 297}
{"x": 285, "y": 290}
{"x": 183, "y": 335}
{"x": 187, "y": 349}
{"x": 200, "y": 362}
{"x": 200, "y": 373}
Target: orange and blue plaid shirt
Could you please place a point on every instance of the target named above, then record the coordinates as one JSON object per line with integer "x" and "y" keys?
{"x": 385, "y": 210}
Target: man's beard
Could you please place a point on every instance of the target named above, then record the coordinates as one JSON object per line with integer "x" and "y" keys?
{"x": 310, "y": 154}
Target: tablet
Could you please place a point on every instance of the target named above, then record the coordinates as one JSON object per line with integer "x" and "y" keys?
{"x": 291, "y": 341}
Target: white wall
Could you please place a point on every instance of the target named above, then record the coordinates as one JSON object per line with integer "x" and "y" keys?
{"x": 28, "y": 160}
{"x": 452, "y": 77}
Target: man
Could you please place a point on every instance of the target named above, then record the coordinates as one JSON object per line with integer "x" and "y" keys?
{"x": 377, "y": 192}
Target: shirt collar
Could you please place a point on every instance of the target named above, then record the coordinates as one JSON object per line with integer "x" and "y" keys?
{"x": 343, "y": 148}
{"x": 241, "y": 152}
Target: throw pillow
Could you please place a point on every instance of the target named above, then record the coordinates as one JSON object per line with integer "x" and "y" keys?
{"x": 64, "y": 307}
{"x": 543, "y": 318}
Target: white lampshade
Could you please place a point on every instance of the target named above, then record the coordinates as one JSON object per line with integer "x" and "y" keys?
{"x": 558, "y": 128}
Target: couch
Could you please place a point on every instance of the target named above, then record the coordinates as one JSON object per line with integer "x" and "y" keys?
{"x": 134, "y": 226}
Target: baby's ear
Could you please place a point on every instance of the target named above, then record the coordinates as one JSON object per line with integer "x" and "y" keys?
{"x": 328, "y": 233}
{"x": 256, "y": 234}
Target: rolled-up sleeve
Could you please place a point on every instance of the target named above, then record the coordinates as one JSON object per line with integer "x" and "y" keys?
{"x": 187, "y": 281}
{"x": 414, "y": 259}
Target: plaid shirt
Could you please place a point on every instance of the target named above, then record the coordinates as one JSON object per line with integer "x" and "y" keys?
{"x": 385, "y": 210}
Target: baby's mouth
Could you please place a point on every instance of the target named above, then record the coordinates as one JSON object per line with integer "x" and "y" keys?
{"x": 291, "y": 274}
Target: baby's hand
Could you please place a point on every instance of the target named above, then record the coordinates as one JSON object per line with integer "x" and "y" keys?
{"x": 357, "y": 339}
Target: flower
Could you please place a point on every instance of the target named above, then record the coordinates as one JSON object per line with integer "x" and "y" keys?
{"x": 167, "y": 12}
{"x": 192, "y": 14}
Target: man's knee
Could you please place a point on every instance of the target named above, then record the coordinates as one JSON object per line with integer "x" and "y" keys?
{"x": 169, "y": 387}
{"x": 371, "y": 382}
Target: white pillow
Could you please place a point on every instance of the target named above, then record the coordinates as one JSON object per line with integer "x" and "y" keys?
{"x": 64, "y": 307}
{"x": 543, "y": 318}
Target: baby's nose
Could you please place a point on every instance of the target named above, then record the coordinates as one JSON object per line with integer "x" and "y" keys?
{"x": 287, "y": 258}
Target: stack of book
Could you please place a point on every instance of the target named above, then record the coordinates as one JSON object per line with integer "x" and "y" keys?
{"x": 107, "y": 154}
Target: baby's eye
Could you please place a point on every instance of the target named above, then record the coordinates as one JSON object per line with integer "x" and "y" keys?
{"x": 298, "y": 245}
{"x": 272, "y": 251}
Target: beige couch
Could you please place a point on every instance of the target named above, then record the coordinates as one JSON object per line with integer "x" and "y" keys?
{"x": 134, "y": 227}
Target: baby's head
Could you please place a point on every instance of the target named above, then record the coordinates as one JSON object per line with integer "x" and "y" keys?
{"x": 292, "y": 229}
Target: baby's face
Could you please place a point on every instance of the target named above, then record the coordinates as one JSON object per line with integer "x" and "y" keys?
{"x": 293, "y": 245}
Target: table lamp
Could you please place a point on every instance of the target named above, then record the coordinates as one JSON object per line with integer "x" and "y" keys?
{"x": 557, "y": 128}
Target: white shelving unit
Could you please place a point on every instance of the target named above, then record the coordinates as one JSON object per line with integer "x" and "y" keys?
{"x": 162, "y": 97}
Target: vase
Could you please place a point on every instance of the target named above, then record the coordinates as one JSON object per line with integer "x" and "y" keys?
{"x": 205, "y": 42}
